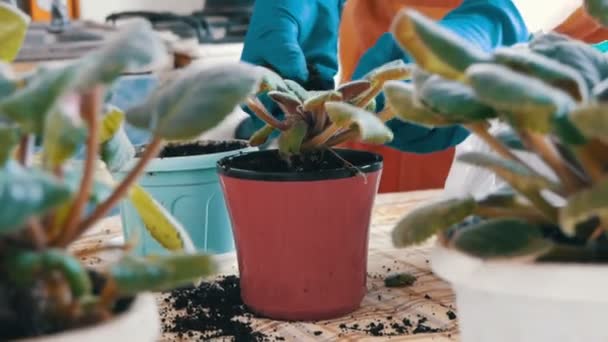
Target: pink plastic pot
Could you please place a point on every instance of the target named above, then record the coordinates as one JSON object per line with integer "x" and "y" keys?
{"x": 301, "y": 237}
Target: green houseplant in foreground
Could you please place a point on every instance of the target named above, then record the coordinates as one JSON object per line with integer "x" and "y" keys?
{"x": 43, "y": 288}
{"x": 552, "y": 94}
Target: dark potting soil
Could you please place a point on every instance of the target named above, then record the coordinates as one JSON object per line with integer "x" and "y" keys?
{"x": 216, "y": 310}
{"x": 213, "y": 310}
{"x": 321, "y": 160}
{"x": 199, "y": 148}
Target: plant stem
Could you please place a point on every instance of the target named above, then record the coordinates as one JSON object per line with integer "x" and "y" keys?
{"x": 349, "y": 165}
{"x": 368, "y": 96}
{"x": 24, "y": 151}
{"x": 590, "y": 164}
{"x": 386, "y": 114}
{"x": 258, "y": 108}
{"x": 342, "y": 137}
{"x": 481, "y": 130}
{"x": 528, "y": 213}
{"x": 549, "y": 155}
{"x": 320, "y": 139}
{"x": 151, "y": 151}
{"x": 90, "y": 107}
{"x": 36, "y": 233}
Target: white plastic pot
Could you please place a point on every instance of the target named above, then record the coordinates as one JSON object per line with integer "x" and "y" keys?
{"x": 515, "y": 302}
{"x": 140, "y": 323}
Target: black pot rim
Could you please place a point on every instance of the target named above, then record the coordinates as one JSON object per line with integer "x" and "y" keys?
{"x": 224, "y": 168}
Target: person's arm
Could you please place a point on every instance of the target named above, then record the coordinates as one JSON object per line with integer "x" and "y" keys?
{"x": 298, "y": 40}
{"x": 272, "y": 38}
{"x": 487, "y": 24}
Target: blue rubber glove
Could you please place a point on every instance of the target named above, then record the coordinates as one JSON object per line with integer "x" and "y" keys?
{"x": 298, "y": 39}
{"x": 487, "y": 24}
{"x": 293, "y": 36}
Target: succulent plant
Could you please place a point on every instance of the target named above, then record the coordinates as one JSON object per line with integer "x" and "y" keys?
{"x": 551, "y": 93}
{"x": 316, "y": 120}
{"x": 45, "y": 194}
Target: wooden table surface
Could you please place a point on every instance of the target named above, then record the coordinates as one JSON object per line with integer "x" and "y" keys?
{"x": 429, "y": 297}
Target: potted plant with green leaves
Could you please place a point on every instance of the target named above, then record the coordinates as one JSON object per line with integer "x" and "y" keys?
{"x": 184, "y": 180}
{"x": 526, "y": 262}
{"x": 46, "y": 293}
{"x": 301, "y": 213}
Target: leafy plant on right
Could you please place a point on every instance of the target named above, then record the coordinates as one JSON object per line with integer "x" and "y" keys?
{"x": 553, "y": 93}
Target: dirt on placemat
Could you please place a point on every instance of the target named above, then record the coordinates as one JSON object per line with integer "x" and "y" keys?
{"x": 212, "y": 310}
{"x": 215, "y": 310}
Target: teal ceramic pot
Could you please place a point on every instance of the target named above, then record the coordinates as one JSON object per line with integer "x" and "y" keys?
{"x": 187, "y": 186}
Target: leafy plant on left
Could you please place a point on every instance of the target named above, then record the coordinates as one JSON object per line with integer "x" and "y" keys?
{"x": 44, "y": 197}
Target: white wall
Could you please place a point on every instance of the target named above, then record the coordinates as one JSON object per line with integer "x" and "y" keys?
{"x": 98, "y": 9}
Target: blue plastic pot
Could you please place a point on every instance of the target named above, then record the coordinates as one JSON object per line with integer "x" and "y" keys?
{"x": 189, "y": 188}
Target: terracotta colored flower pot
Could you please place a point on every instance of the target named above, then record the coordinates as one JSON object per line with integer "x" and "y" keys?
{"x": 301, "y": 237}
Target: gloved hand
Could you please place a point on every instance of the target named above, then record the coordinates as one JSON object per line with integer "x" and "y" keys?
{"x": 487, "y": 24}
{"x": 292, "y": 36}
{"x": 298, "y": 39}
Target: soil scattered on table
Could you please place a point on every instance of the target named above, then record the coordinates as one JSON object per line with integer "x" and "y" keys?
{"x": 215, "y": 310}
{"x": 393, "y": 327}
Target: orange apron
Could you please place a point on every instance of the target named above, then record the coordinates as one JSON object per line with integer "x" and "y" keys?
{"x": 363, "y": 22}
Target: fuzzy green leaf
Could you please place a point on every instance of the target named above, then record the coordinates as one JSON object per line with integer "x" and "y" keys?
{"x": 544, "y": 68}
{"x": 64, "y": 133}
{"x": 454, "y": 101}
{"x": 592, "y": 121}
{"x": 271, "y": 81}
{"x": 501, "y": 238}
{"x": 12, "y": 31}
{"x": 296, "y": 89}
{"x": 195, "y": 102}
{"x": 527, "y": 103}
{"x": 317, "y": 102}
{"x": 135, "y": 47}
{"x": 290, "y": 141}
{"x": 519, "y": 176}
{"x": 261, "y": 136}
{"x": 354, "y": 89}
{"x": 419, "y": 77}
{"x": 370, "y": 128}
{"x": 9, "y": 138}
{"x": 580, "y": 56}
{"x": 424, "y": 222}
{"x": 600, "y": 91}
{"x": 391, "y": 71}
{"x": 30, "y": 106}
{"x": 116, "y": 149}
{"x": 159, "y": 273}
{"x": 288, "y": 102}
{"x": 511, "y": 140}
{"x": 163, "y": 227}
{"x": 433, "y": 47}
{"x": 400, "y": 97}
{"x": 25, "y": 193}
{"x": 584, "y": 205}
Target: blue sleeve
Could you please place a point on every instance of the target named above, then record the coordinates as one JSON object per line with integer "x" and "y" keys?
{"x": 487, "y": 24}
